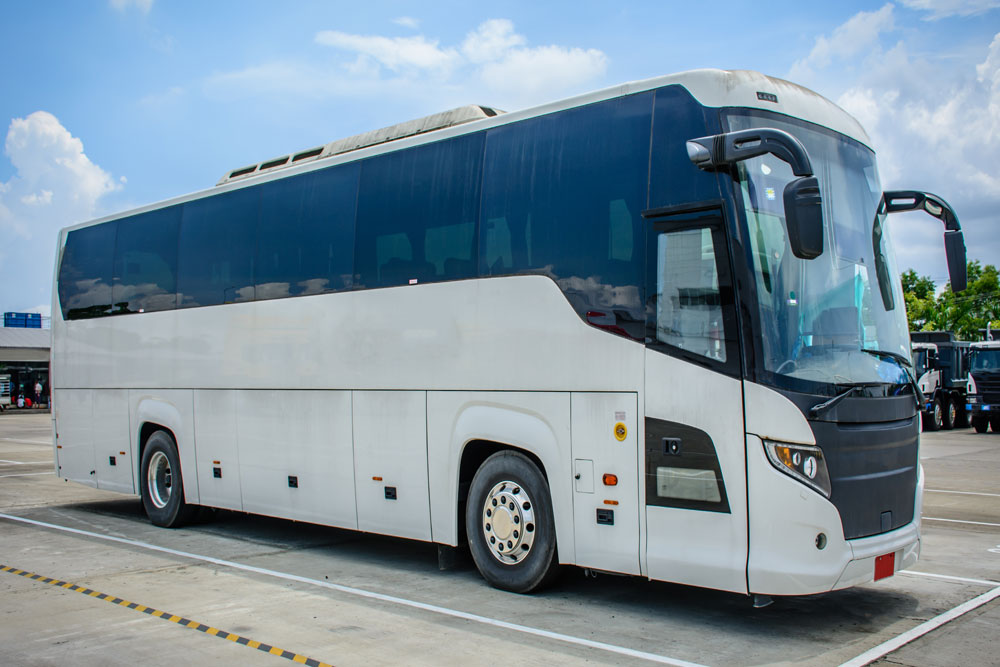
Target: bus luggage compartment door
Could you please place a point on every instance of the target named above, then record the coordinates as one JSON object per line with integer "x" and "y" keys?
{"x": 606, "y": 506}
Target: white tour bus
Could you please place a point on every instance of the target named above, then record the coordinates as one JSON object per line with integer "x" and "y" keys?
{"x": 655, "y": 330}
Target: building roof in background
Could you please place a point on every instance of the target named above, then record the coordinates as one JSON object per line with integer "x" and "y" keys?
{"x": 25, "y": 338}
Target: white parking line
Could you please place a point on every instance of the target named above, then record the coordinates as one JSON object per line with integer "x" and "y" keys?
{"x": 569, "y": 639}
{"x": 902, "y": 640}
{"x": 28, "y": 474}
{"x": 963, "y": 493}
{"x": 975, "y": 523}
{"x": 29, "y": 442}
{"x": 961, "y": 580}
{"x": 15, "y": 463}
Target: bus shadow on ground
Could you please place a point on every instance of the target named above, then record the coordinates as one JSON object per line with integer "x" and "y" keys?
{"x": 824, "y": 619}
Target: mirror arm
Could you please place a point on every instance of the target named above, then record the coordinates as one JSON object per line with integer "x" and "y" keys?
{"x": 719, "y": 150}
{"x": 914, "y": 200}
{"x": 954, "y": 240}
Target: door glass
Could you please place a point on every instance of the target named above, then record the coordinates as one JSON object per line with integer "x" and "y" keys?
{"x": 688, "y": 300}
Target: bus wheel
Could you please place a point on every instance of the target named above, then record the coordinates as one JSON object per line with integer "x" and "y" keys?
{"x": 508, "y": 519}
{"x": 981, "y": 423}
{"x": 160, "y": 483}
{"x": 949, "y": 414}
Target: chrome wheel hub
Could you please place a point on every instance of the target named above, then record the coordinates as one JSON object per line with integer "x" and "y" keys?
{"x": 159, "y": 480}
{"x": 508, "y": 523}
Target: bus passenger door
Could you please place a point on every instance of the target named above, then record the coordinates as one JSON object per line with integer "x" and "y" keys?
{"x": 695, "y": 448}
{"x": 606, "y": 489}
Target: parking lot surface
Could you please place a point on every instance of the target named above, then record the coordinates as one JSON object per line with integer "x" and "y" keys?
{"x": 87, "y": 580}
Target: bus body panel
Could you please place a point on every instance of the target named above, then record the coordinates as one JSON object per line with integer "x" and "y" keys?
{"x": 113, "y": 461}
{"x": 702, "y": 547}
{"x": 172, "y": 409}
{"x": 606, "y": 511}
{"x": 74, "y": 435}
{"x": 217, "y": 463}
{"x": 295, "y": 455}
{"x": 390, "y": 463}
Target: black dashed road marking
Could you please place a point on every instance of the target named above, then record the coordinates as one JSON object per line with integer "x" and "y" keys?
{"x": 173, "y": 618}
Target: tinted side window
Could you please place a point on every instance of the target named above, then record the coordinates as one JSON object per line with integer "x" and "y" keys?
{"x": 417, "y": 214}
{"x": 563, "y": 196}
{"x": 217, "y": 248}
{"x": 145, "y": 277}
{"x": 306, "y": 233}
{"x": 85, "y": 272}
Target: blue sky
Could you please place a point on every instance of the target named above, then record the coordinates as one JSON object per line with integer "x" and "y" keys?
{"x": 111, "y": 104}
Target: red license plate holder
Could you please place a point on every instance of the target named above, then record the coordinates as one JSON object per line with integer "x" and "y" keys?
{"x": 885, "y": 566}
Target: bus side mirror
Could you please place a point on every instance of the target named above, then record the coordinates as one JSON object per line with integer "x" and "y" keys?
{"x": 954, "y": 250}
{"x": 804, "y": 217}
{"x": 803, "y": 203}
{"x": 954, "y": 240}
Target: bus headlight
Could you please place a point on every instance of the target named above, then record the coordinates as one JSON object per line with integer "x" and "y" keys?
{"x": 803, "y": 462}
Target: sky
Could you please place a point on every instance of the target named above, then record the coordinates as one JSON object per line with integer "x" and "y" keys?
{"x": 107, "y": 105}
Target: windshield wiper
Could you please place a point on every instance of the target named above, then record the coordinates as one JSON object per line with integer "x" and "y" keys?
{"x": 905, "y": 364}
{"x": 818, "y": 409}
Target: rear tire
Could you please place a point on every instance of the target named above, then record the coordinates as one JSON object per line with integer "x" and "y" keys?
{"x": 161, "y": 485}
{"x": 981, "y": 424}
{"x": 962, "y": 415}
{"x": 995, "y": 423}
{"x": 948, "y": 414}
{"x": 508, "y": 520}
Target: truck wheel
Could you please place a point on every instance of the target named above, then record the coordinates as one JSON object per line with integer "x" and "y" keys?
{"x": 508, "y": 519}
{"x": 948, "y": 414}
{"x": 995, "y": 423}
{"x": 934, "y": 418}
{"x": 161, "y": 485}
{"x": 961, "y": 414}
{"x": 981, "y": 423}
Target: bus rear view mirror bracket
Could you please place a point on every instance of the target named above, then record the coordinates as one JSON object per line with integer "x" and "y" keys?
{"x": 802, "y": 198}
{"x": 954, "y": 239}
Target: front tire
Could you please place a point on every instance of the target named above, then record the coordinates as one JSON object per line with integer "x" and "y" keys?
{"x": 995, "y": 423}
{"x": 981, "y": 424}
{"x": 962, "y": 415}
{"x": 935, "y": 418}
{"x": 508, "y": 519}
{"x": 161, "y": 485}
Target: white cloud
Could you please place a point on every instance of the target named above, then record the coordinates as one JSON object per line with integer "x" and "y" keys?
{"x": 54, "y": 185}
{"x": 857, "y": 35}
{"x": 407, "y": 22}
{"x": 143, "y": 6}
{"x": 940, "y": 9}
{"x": 394, "y": 53}
{"x": 492, "y": 57}
{"x": 936, "y": 127}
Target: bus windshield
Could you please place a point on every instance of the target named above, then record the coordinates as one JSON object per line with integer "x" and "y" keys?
{"x": 819, "y": 317}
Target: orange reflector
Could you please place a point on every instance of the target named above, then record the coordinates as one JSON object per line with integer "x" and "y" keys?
{"x": 610, "y": 502}
{"x": 121, "y": 453}
{"x": 376, "y": 479}
{"x": 610, "y": 480}
{"x": 217, "y": 463}
{"x": 58, "y": 446}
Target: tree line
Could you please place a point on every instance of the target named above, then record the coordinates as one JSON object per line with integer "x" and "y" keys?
{"x": 964, "y": 312}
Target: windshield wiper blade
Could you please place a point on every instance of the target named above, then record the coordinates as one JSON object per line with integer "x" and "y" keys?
{"x": 906, "y": 364}
{"x": 818, "y": 409}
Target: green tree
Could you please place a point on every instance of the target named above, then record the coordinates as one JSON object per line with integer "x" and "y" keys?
{"x": 964, "y": 313}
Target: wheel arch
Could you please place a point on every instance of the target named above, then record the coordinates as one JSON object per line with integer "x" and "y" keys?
{"x": 480, "y": 428}
{"x": 155, "y": 414}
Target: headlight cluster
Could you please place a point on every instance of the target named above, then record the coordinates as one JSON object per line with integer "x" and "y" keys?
{"x": 803, "y": 462}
